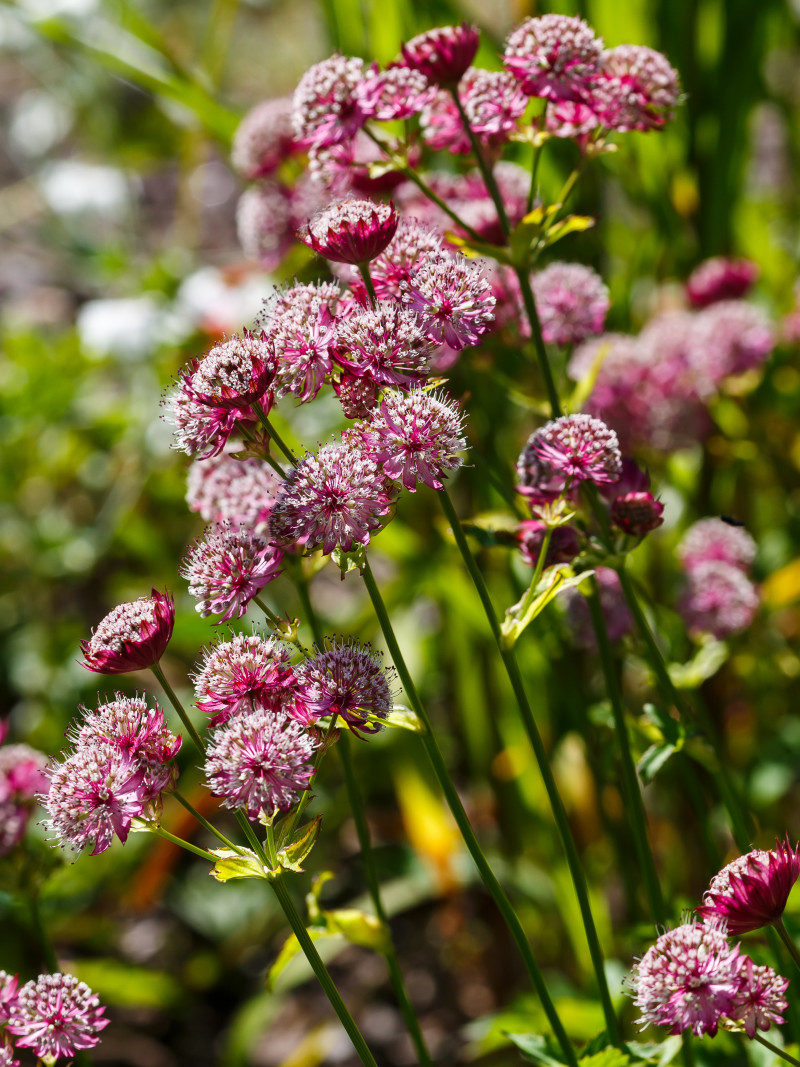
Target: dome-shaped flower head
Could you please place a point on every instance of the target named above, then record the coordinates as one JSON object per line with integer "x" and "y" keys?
{"x": 752, "y": 891}
{"x": 718, "y": 599}
{"x": 22, "y": 777}
{"x": 714, "y": 539}
{"x": 94, "y": 794}
{"x": 396, "y": 93}
{"x": 442, "y": 54}
{"x": 200, "y": 429}
{"x": 342, "y": 169}
{"x": 57, "y": 1016}
{"x": 637, "y": 513}
{"x": 720, "y": 278}
{"x": 384, "y": 343}
{"x": 264, "y": 139}
{"x": 358, "y": 396}
{"x": 564, "y": 544}
{"x": 639, "y": 89}
{"x": 234, "y": 374}
{"x": 493, "y": 102}
{"x": 687, "y": 980}
{"x": 453, "y": 299}
{"x": 352, "y": 231}
{"x": 346, "y": 679}
{"x": 260, "y": 761}
{"x": 573, "y": 120}
{"x": 556, "y": 57}
{"x": 760, "y": 1001}
{"x": 538, "y": 481}
{"x": 137, "y": 732}
{"x": 336, "y": 497}
{"x": 265, "y": 224}
{"x": 232, "y": 673}
{"x": 416, "y": 436}
{"x": 579, "y": 448}
{"x": 227, "y": 568}
{"x": 411, "y": 245}
{"x": 300, "y": 323}
{"x": 572, "y": 302}
{"x": 228, "y": 489}
{"x": 9, "y": 984}
{"x": 729, "y": 337}
{"x": 131, "y": 637}
{"x": 325, "y": 110}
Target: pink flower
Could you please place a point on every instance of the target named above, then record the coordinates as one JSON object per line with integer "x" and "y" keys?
{"x": 572, "y": 120}
{"x": 616, "y": 613}
{"x": 713, "y": 539}
{"x": 579, "y": 448}
{"x": 8, "y": 995}
{"x": 556, "y": 57}
{"x": 353, "y": 231}
{"x": 493, "y": 103}
{"x": 325, "y": 106}
{"x": 637, "y": 513}
{"x": 412, "y": 244}
{"x": 444, "y": 53}
{"x": 131, "y": 637}
{"x": 56, "y": 1016}
{"x": 227, "y": 489}
{"x": 572, "y": 302}
{"x": 356, "y": 395}
{"x": 564, "y": 545}
{"x": 233, "y": 374}
{"x": 453, "y": 299}
{"x": 21, "y": 778}
{"x": 264, "y": 139}
{"x": 720, "y": 279}
{"x": 396, "y": 93}
{"x": 301, "y": 323}
{"x": 752, "y": 891}
{"x": 7, "y": 1057}
{"x": 345, "y": 168}
{"x": 385, "y": 343}
{"x": 730, "y": 337}
{"x": 227, "y": 568}
{"x": 232, "y": 673}
{"x": 639, "y": 89}
{"x": 268, "y": 215}
{"x": 345, "y": 679}
{"x": 718, "y": 599}
{"x": 201, "y": 430}
{"x": 260, "y": 761}
{"x": 760, "y": 1000}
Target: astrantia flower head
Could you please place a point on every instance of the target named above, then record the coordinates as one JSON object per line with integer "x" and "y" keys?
{"x": 396, "y": 93}
{"x": 713, "y": 539}
{"x": 572, "y": 302}
{"x": 554, "y": 56}
{"x": 336, "y": 497}
{"x": 346, "y": 679}
{"x": 537, "y": 480}
{"x": 752, "y": 891}
{"x": 687, "y": 980}
{"x": 719, "y": 278}
{"x": 416, "y": 436}
{"x": 760, "y": 1001}
{"x": 233, "y": 672}
{"x": 729, "y": 337}
{"x": 226, "y": 489}
{"x": 493, "y": 102}
{"x": 227, "y": 568}
{"x": 356, "y": 395}
{"x": 444, "y": 53}
{"x": 352, "y": 231}
{"x": 22, "y": 777}
{"x": 131, "y": 637}
{"x": 637, "y": 513}
{"x": 453, "y": 299}
{"x": 718, "y": 599}
{"x": 639, "y": 87}
{"x": 564, "y": 544}
{"x": 384, "y": 343}
{"x": 580, "y": 448}
{"x": 57, "y": 1016}
{"x": 325, "y": 108}
{"x": 300, "y": 322}
{"x": 234, "y": 373}
{"x": 8, "y": 995}
{"x": 200, "y": 429}
{"x": 264, "y": 138}
{"x": 259, "y": 761}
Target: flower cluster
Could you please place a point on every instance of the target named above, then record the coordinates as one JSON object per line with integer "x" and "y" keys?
{"x": 718, "y": 598}
{"x": 21, "y": 778}
{"x": 54, "y": 1015}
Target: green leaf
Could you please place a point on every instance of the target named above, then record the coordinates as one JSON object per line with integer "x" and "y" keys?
{"x": 609, "y": 1057}
{"x": 654, "y": 759}
{"x": 244, "y": 864}
{"x": 658, "y": 1052}
{"x": 520, "y": 615}
{"x": 292, "y": 855}
{"x": 291, "y": 947}
{"x": 703, "y": 666}
{"x": 535, "y": 1047}
{"x": 349, "y": 561}
{"x": 403, "y": 718}
{"x": 527, "y": 231}
{"x": 671, "y": 729}
{"x": 473, "y": 248}
{"x": 360, "y": 928}
{"x": 571, "y": 224}
{"x": 127, "y": 986}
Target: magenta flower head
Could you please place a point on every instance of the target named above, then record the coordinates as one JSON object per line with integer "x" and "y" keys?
{"x": 730, "y": 337}
{"x": 131, "y": 637}
{"x": 396, "y": 93}
{"x": 752, "y": 891}
{"x": 227, "y": 568}
{"x": 234, "y": 374}
{"x": 233, "y": 673}
{"x": 227, "y": 489}
{"x": 264, "y": 139}
{"x": 200, "y": 429}
{"x": 57, "y": 1016}
{"x": 639, "y": 88}
{"x": 411, "y": 245}
{"x": 720, "y": 279}
{"x": 636, "y": 514}
{"x": 718, "y": 599}
{"x": 325, "y": 107}
{"x": 336, "y": 497}
{"x": 384, "y": 343}
{"x": 300, "y": 322}
{"x": 346, "y": 679}
{"x": 556, "y": 57}
{"x": 713, "y": 539}
{"x": 687, "y": 980}
{"x": 22, "y": 777}
{"x": 356, "y": 395}
{"x": 760, "y": 1001}
{"x": 493, "y": 103}
{"x": 260, "y": 761}
{"x": 353, "y": 231}
{"x": 7, "y": 1057}
{"x": 579, "y": 448}
{"x": 453, "y": 299}
{"x": 572, "y": 302}
{"x": 9, "y": 984}
{"x": 416, "y": 437}
{"x": 444, "y": 53}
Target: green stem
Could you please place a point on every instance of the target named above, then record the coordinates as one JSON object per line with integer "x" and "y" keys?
{"x": 272, "y": 852}
{"x": 321, "y": 971}
{"x": 251, "y": 437}
{"x": 785, "y": 937}
{"x": 301, "y": 585}
{"x": 774, "y": 1048}
{"x": 273, "y": 433}
{"x": 537, "y": 155}
{"x": 535, "y": 738}
{"x": 205, "y": 823}
{"x": 272, "y": 618}
{"x": 483, "y": 166}
{"x": 373, "y": 883}
{"x": 179, "y": 841}
{"x": 305, "y": 796}
{"x": 182, "y": 714}
{"x": 538, "y": 341}
{"x": 462, "y": 821}
{"x": 252, "y": 837}
{"x": 363, "y": 269}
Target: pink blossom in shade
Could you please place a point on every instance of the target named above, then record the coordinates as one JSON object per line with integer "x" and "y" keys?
{"x": 265, "y": 223}
{"x": 300, "y": 323}
{"x": 760, "y": 1000}
{"x": 564, "y": 544}
{"x": 574, "y": 120}
{"x": 352, "y": 231}
{"x": 384, "y": 343}
{"x": 720, "y": 278}
{"x": 637, "y": 514}
{"x": 713, "y": 539}
{"x": 56, "y": 1016}
{"x": 347, "y": 679}
{"x": 93, "y": 796}
{"x": 556, "y": 57}
{"x": 325, "y": 109}
{"x": 416, "y": 436}
{"x": 729, "y": 338}
{"x": 227, "y": 568}
{"x": 232, "y": 673}
{"x": 616, "y": 613}
{"x": 687, "y": 980}
{"x": 639, "y": 89}
{"x": 21, "y": 778}
{"x": 336, "y": 497}
{"x": 493, "y": 103}
{"x": 234, "y": 374}
{"x": 442, "y": 54}
{"x": 396, "y": 93}
{"x": 752, "y": 891}
{"x": 229, "y": 489}
{"x": 264, "y": 139}
{"x": 358, "y": 396}
{"x": 580, "y": 448}
{"x": 453, "y": 299}
{"x": 132, "y": 637}
{"x": 9, "y": 984}
{"x": 718, "y": 599}
{"x": 135, "y": 731}
{"x": 260, "y": 761}
{"x": 572, "y": 302}
{"x": 7, "y": 1057}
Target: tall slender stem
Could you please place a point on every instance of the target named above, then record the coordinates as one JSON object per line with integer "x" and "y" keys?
{"x": 774, "y": 1048}
{"x": 209, "y": 826}
{"x": 182, "y": 713}
{"x": 273, "y": 433}
{"x": 483, "y": 165}
{"x": 542, "y": 358}
{"x": 559, "y": 814}
{"x": 786, "y": 938}
{"x": 462, "y": 821}
{"x": 179, "y": 841}
{"x": 271, "y": 617}
{"x": 363, "y": 269}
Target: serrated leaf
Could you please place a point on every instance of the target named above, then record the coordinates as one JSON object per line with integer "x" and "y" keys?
{"x": 571, "y": 224}
{"x": 535, "y": 1047}
{"x": 360, "y": 928}
{"x": 292, "y": 855}
{"x": 653, "y": 760}
{"x": 609, "y": 1057}
{"x": 243, "y": 864}
{"x": 403, "y": 718}
{"x": 660, "y": 1053}
{"x": 472, "y": 248}
{"x": 520, "y": 615}
{"x": 354, "y": 560}
{"x": 527, "y": 231}
{"x": 701, "y": 667}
